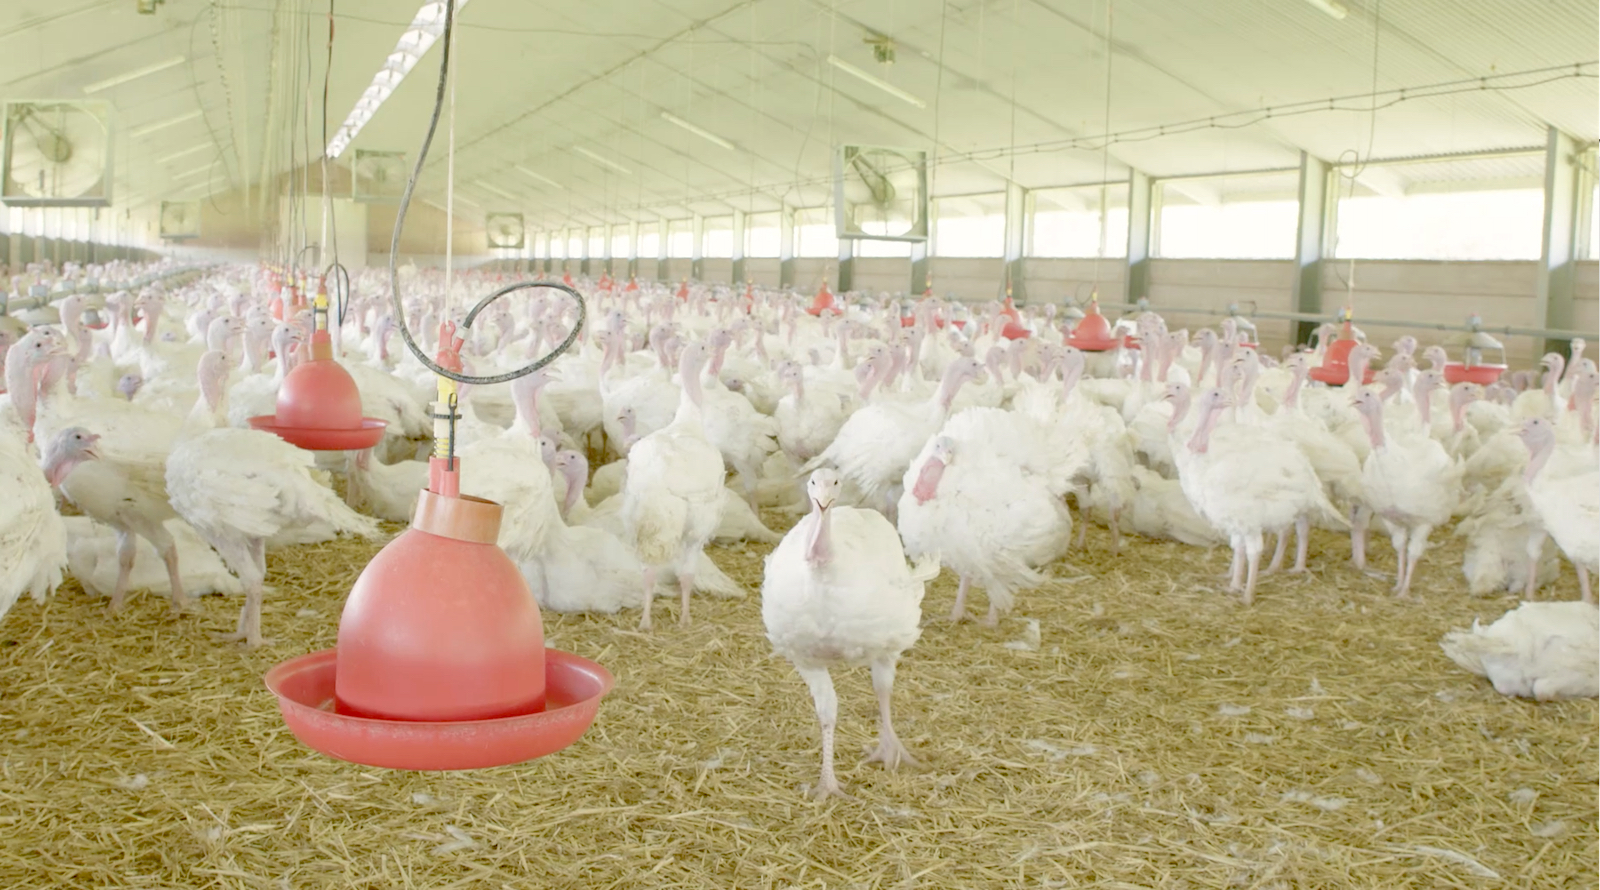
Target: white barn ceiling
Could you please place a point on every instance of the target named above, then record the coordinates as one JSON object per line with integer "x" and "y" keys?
{"x": 1011, "y": 89}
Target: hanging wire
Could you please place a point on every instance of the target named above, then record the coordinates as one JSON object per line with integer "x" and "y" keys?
{"x": 1105, "y": 155}
{"x": 394, "y": 252}
{"x": 1359, "y": 162}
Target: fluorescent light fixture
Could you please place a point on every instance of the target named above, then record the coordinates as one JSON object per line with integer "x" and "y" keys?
{"x": 495, "y": 190}
{"x": 158, "y": 126}
{"x": 707, "y": 135}
{"x": 183, "y": 154}
{"x": 135, "y": 74}
{"x": 414, "y": 43}
{"x": 190, "y": 174}
{"x": 604, "y": 162}
{"x": 884, "y": 85}
{"x": 1332, "y": 7}
{"x": 544, "y": 179}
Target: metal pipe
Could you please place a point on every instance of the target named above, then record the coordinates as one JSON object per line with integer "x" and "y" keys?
{"x": 10, "y": 306}
{"x": 1233, "y": 310}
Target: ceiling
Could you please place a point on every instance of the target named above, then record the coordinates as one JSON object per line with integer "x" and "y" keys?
{"x": 1011, "y": 90}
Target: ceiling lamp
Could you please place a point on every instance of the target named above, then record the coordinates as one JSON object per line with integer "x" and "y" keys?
{"x": 135, "y": 74}
{"x": 1332, "y": 7}
{"x": 707, "y": 135}
{"x": 544, "y": 179}
{"x": 604, "y": 162}
{"x": 147, "y": 129}
{"x": 413, "y": 44}
{"x": 495, "y": 190}
{"x": 884, "y": 85}
{"x": 183, "y": 154}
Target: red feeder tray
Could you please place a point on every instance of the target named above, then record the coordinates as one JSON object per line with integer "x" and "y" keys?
{"x": 823, "y": 302}
{"x": 1093, "y": 333}
{"x": 319, "y": 407}
{"x": 1335, "y": 367}
{"x": 305, "y": 690}
{"x": 441, "y": 663}
{"x": 1483, "y": 375}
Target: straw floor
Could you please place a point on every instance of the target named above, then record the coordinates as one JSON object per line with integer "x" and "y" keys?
{"x": 1159, "y": 735}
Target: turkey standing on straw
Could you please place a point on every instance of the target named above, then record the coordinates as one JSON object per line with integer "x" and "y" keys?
{"x": 837, "y": 591}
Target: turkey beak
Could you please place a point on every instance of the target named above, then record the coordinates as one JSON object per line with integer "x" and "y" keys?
{"x": 824, "y": 500}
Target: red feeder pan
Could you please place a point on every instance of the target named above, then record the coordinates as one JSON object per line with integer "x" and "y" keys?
{"x": 319, "y": 407}
{"x": 1483, "y": 375}
{"x": 441, "y": 662}
{"x": 823, "y": 302}
{"x": 1093, "y": 333}
{"x": 1013, "y": 329}
{"x": 1335, "y": 367}
{"x": 306, "y": 698}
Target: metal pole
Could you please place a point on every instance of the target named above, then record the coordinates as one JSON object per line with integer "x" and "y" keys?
{"x": 1553, "y": 293}
{"x": 1136, "y": 281}
{"x": 1017, "y": 200}
{"x": 1313, "y": 197}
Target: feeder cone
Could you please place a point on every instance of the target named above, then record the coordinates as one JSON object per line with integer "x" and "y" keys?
{"x": 441, "y": 626}
{"x": 319, "y": 407}
{"x": 1013, "y": 329}
{"x": 683, "y": 290}
{"x": 440, "y": 662}
{"x": 823, "y": 302}
{"x": 633, "y": 284}
{"x": 1093, "y": 332}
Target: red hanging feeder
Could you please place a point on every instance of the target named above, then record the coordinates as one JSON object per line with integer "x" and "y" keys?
{"x": 319, "y": 407}
{"x": 823, "y": 302}
{"x": 1013, "y": 329}
{"x": 440, "y": 663}
{"x": 1335, "y": 367}
{"x": 1093, "y": 333}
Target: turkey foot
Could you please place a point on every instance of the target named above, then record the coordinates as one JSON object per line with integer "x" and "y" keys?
{"x": 958, "y": 613}
{"x": 889, "y": 752}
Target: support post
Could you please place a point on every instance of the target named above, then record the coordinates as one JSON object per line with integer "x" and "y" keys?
{"x": 847, "y": 265}
{"x": 738, "y": 274}
{"x": 697, "y": 252}
{"x": 633, "y": 249}
{"x": 1310, "y": 241}
{"x": 786, "y": 247}
{"x": 1136, "y": 280}
{"x": 1017, "y": 201}
{"x": 920, "y": 281}
{"x": 664, "y": 228}
{"x": 584, "y": 266}
{"x": 1553, "y": 292}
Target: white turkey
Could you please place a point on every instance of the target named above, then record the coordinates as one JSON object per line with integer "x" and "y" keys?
{"x": 1542, "y": 651}
{"x": 837, "y": 591}
{"x": 238, "y": 488}
{"x": 672, "y": 500}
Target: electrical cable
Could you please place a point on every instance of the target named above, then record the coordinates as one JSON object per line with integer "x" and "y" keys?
{"x": 394, "y": 252}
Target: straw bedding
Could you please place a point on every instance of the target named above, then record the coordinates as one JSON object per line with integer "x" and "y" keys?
{"x": 1155, "y": 735}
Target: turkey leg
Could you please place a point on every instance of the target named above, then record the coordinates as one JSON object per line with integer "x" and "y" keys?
{"x": 889, "y": 752}
{"x": 827, "y": 716}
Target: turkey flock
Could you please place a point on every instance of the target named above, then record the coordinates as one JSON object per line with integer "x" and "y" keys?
{"x": 902, "y": 436}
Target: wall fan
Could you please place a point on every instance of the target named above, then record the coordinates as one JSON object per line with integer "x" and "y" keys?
{"x": 378, "y": 176}
{"x": 180, "y": 220}
{"x": 505, "y": 230}
{"x": 57, "y": 154}
{"x": 880, "y": 193}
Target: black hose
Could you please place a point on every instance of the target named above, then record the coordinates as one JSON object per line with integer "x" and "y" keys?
{"x": 394, "y": 252}
{"x": 341, "y": 298}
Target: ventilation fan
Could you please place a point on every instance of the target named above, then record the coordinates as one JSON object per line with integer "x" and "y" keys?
{"x": 180, "y": 220}
{"x": 505, "y": 230}
{"x": 378, "y": 176}
{"x": 881, "y": 193}
{"x": 57, "y": 154}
